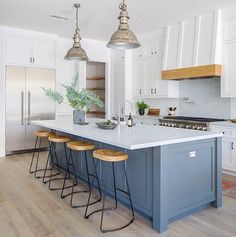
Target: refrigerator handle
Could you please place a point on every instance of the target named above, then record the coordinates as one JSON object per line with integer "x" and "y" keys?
{"x": 28, "y": 108}
{"x": 22, "y": 108}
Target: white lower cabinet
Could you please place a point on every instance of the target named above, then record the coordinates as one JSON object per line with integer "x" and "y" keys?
{"x": 228, "y": 147}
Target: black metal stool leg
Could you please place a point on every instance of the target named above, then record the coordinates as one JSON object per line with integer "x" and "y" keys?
{"x": 114, "y": 183}
{"x": 37, "y": 160}
{"x": 128, "y": 191}
{"x": 104, "y": 199}
{"x": 103, "y": 209}
{"x": 33, "y": 155}
{"x": 94, "y": 176}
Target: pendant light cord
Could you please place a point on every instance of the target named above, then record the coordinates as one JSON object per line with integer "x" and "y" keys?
{"x": 77, "y": 5}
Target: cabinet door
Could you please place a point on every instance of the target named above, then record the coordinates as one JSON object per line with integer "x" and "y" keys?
{"x": 228, "y": 154}
{"x": 18, "y": 50}
{"x": 138, "y": 79}
{"x": 156, "y": 87}
{"x": 228, "y": 81}
{"x": 44, "y": 53}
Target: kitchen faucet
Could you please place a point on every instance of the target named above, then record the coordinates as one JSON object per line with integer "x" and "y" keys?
{"x": 119, "y": 111}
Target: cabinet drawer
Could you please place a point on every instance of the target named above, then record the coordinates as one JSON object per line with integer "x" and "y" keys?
{"x": 227, "y": 132}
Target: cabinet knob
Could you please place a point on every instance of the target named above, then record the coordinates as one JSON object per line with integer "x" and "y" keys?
{"x": 151, "y": 91}
{"x": 151, "y": 52}
{"x": 155, "y": 90}
{"x": 140, "y": 91}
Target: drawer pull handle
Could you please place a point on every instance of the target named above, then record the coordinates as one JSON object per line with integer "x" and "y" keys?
{"x": 192, "y": 154}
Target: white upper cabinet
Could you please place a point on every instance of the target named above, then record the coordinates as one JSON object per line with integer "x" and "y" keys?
{"x": 228, "y": 82}
{"x": 26, "y": 51}
{"x": 147, "y": 67}
{"x": 192, "y": 42}
{"x": 18, "y": 50}
{"x": 44, "y": 53}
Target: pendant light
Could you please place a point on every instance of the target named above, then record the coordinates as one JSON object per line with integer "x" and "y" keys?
{"x": 76, "y": 52}
{"x": 123, "y": 38}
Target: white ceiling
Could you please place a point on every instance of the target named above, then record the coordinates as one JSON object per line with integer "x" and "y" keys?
{"x": 98, "y": 18}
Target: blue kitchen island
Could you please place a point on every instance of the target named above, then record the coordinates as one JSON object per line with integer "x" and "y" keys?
{"x": 172, "y": 172}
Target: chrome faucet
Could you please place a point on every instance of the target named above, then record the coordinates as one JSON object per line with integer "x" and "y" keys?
{"x": 122, "y": 112}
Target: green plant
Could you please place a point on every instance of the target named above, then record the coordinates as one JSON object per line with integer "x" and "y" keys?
{"x": 78, "y": 100}
{"x": 142, "y": 105}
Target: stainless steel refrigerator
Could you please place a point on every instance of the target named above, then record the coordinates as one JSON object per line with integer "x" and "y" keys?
{"x": 25, "y": 101}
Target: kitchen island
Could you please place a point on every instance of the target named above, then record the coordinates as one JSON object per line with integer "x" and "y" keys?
{"x": 172, "y": 172}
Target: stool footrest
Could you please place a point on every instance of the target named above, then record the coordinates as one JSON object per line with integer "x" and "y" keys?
{"x": 85, "y": 205}
{"x": 68, "y": 194}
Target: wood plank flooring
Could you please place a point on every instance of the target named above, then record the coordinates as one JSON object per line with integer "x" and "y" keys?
{"x": 29, "y": 209}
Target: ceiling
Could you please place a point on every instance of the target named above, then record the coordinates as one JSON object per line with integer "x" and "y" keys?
{"x": 98, "y": 18}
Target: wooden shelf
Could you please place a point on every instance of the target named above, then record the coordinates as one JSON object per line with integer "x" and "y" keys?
{"x": 96, "y": 78}
{"x": 96, "y": 112}
{"x": 96, "y": 89}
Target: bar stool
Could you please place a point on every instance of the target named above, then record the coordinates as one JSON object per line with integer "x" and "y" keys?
{"x": 113, "y": 157}
{"x": 53, "y": 141}
{"x": 80, "y": 146}
{"x": 40, "y": 135}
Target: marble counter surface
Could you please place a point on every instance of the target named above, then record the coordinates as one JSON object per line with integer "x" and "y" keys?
{"x": 137, "y": 137}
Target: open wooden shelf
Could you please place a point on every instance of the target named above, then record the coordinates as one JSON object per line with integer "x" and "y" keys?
{"x": 96, "y": 112}
{"x": 96, "y": 89}
{"x": 96, "y": 78}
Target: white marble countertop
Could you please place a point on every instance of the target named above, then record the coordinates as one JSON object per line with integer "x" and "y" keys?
{"x": 137, "y": 137}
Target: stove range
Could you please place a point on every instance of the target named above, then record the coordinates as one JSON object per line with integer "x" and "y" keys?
{"x": 196, "y": 123}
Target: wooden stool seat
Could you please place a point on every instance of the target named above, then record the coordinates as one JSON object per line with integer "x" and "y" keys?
{"x": 80, "y": 146}
{"x": 110, "y": 155}
{"x": 42, "y": 133}
{"x": 58, "y": 138}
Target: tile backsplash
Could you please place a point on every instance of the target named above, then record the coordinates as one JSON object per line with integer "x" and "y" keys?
{"x": 199, "y": 98}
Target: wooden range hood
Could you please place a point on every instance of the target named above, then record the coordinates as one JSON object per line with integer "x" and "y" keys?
{"x": 206, "y": 71}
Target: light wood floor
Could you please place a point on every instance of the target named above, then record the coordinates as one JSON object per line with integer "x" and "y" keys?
{"x": 29, "y": 209}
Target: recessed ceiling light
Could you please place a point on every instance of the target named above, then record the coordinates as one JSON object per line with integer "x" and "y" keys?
{"x": 139, "y": 20}
{"x": 60, "y": 18}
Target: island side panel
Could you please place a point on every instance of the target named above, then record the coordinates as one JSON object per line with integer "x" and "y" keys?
{"x": 218, "y": 177}
{"x": 184, "y": 180}
{"x": 160, "y": 216}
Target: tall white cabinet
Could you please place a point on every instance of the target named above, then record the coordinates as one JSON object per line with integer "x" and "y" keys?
{"x": 147, "y": 67}
{"x": 228, "y": 83}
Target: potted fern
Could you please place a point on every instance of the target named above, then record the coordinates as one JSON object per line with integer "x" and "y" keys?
{"x": 78, "y": 100}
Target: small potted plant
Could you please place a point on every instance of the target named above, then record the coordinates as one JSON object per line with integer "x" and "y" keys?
{"x": 78, "y": 100}
{"x": 141, "y": 105}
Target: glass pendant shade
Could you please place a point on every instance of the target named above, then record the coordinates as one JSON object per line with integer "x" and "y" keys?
{"x": 76, "y": 53}
{"x": 123, "y": 38}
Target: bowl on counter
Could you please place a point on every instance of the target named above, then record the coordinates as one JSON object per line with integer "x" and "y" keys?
{"x": 107, "y": 125}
